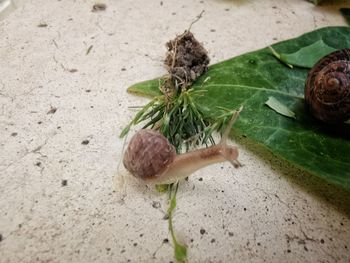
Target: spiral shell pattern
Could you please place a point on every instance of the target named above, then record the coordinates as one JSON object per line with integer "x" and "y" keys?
{"x": 327, "y": 88}
{"x": 148, "y": 154}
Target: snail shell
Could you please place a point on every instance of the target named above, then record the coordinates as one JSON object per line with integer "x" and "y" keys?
{"x": 148, "y": 154}
{"x": 327, "y": 89}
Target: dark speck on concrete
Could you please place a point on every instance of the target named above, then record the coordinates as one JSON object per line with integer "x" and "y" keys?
{"x": 52, "y": 110}
{"x": 64, "y": 182}
{"x": 1, "y": 237}
{"x": 200, "y": 179}
{"x": 258, "y": 244}
{"x": 322, "y": 241}
{"x": 135, "y": 244}
{"x": 38, "y": 164}
{"x": 245, "y": 209}
{"x": 14, "y": 134}
{"x": 202, "y": 231}
{"x": 98, "y": 7}
{"x": 212, "y": 240}
{"x": 123, "y": 69}
{"x": 289, "y": 251}
{"x": 165, "y": 240}
{"x": 230, "y": 234}
{"x": 156, "y": 204}
{"x": 42, "y": 25}
{"x": 88, "y": 90}
{"x": 40, "y": 122}
{"x": 85, "y": 142}
{"x": 212, "y": 30}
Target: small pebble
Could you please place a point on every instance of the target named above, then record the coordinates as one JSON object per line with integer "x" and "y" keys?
{"x": 99, "y": 7}
{"x": 42, "y": 25}
{"x": 85, "y": 142}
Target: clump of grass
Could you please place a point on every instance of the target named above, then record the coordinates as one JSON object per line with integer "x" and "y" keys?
{"x": 180, "y": 119}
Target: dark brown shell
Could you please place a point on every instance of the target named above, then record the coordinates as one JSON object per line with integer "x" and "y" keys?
{"x": 327, "y": 88}
{"x": 148, "y": 154}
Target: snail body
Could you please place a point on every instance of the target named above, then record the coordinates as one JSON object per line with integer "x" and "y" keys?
{"x": 150, "y": 157}
{"x": 327, "y": 88}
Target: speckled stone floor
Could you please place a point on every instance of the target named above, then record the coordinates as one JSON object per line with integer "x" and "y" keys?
{"x": 62, "y": 108}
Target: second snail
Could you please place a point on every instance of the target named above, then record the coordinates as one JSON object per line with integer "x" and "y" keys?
{"x": 327, "y": 88}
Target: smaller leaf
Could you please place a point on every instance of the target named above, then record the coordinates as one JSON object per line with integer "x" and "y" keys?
{"x": 278, "y": 56}
{"x": 180, "y": 252}
{"x": 279, "y": 107}
{"x": 307, "y": 56}
{"x": 346, "y": 14}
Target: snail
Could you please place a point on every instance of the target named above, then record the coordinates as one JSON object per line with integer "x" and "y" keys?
{"x": 327, "y": 88}
{"x": 151, "y": 158}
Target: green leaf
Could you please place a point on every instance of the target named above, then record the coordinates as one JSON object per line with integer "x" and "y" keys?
{"x": 250, "y": 79}
{"x": 346, "y": 14}
{"x": 279, "y": 107}
{"x": 180, "y": 252}
{"x": 305, "y": 57}
{"x": 280, "y": 57}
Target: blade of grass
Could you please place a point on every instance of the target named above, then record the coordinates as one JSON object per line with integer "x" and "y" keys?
{"x": 179, "y": 249}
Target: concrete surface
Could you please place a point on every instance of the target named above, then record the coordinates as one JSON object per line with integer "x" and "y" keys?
{"x": 58, "y": 202}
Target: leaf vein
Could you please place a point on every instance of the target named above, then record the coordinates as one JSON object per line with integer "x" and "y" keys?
{"x": 255, "y": 88}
